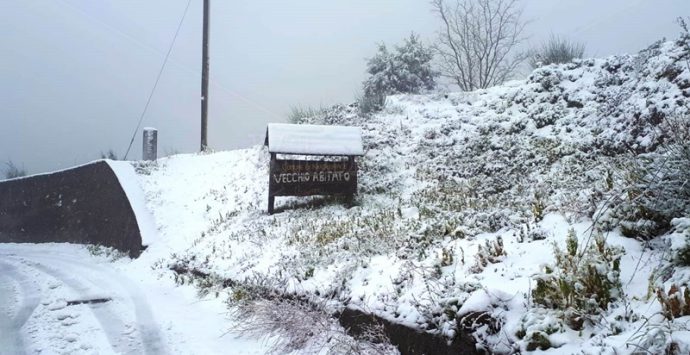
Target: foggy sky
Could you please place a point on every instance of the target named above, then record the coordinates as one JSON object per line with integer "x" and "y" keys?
{"x": 75, "y": 74}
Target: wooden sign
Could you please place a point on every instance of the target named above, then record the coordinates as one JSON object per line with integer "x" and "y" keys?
{"x": 334, "y": 174}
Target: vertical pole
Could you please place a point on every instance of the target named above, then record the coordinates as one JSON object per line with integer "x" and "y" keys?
{"x": 271, "y": 197}
{"x": 204, "y": 78}
{"x": 150, "y": 144}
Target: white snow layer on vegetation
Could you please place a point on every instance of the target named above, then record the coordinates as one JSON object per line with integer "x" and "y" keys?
{"x": 314, "y": 139}
{"x": 462, "y": 199}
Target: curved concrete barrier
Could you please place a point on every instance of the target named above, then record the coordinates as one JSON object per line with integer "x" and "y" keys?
{"x": 84, "y": 205}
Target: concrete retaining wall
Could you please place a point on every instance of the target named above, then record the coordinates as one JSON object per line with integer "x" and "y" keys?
{"x": 409, "y": 341}
{"x": 83, "y": 205}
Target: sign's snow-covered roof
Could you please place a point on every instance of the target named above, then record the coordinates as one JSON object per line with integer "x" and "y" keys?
{"x": 306, "y": 139}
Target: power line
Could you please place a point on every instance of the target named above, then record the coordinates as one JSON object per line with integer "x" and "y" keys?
{"x": 113, "y": 29}
{"x": 214, "y": 82}
{"x": 160, "y": 73}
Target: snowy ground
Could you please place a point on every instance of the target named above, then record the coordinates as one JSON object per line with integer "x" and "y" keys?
{"x": 144, "y": 314}
{"x": 465, "y": 201}
{"x": 361, "y": 258}
{"x": 443, "y": 179}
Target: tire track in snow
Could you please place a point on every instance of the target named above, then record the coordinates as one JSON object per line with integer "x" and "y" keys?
{"x": 113, "y": 327}
{"x": 11, "y": 339}
{"x": 118, "y": 332}
{"x": 148, "y": 328}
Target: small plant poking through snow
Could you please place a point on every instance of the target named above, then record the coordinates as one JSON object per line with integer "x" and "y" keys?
{"x": 676, "y": 302}
{"x": 491, "y": 252}
{"x": 538, "y": 207}
{"x": 529, "y": 233}
{"x": 580, "y": 284}
{"x": 107, "y": 252}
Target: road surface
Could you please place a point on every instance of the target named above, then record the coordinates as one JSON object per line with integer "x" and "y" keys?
{"x": 60, "y": 299}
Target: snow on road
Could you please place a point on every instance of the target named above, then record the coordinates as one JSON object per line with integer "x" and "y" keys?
{"x": 61, "y": 299}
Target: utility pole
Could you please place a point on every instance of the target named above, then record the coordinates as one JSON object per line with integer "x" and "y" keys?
{"x": 204, "y": 79}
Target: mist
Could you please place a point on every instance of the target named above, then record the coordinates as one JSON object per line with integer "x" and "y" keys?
{"x": 76, "y": 74}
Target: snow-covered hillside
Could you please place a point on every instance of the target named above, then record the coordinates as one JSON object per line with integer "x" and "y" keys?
{"x": 462, "y": 200}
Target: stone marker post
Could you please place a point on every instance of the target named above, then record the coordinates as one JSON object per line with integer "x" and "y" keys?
{"x": 150, "y": 145}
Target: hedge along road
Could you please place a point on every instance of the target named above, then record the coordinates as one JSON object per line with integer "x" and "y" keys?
{"x": 57, "y": 298}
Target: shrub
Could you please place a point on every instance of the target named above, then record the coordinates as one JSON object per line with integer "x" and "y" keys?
{"x": 682, "y": 257}
{"x": 538, "y": 340}
{"x": 406, "y": 70}
{"x": 538, "y": 207}
{"x": 302, "y": 114}
{"x": 372, "y": 103}
{"x": 580, "y": 284}
{"x": 12, "y": 171}
{"x": 109, "y": 155}
{"x": 556, "y": 50}
{"x": 295, "y": 326}
{"x": 530, "y": 233}
{"x": 491, "y": 252}
{"x": 658, "y": 184}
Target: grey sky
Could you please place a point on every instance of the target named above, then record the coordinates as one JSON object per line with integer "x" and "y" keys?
{"x": 75, "y": 74}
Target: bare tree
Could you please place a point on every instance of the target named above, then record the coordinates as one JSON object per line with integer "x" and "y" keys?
{"x": 477, "y": 41}
{"x": 555, "y": 51}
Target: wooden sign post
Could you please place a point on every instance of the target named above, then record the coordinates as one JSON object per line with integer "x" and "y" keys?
{"x": 322, "y": 160}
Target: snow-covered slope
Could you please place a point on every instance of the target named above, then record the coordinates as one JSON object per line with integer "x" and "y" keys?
{"x": 462, "y": 198}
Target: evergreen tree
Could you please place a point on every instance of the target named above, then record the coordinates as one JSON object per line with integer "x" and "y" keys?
{"x": 405, "y": 70}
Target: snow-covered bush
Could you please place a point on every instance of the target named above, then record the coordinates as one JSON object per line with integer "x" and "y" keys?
{"x": 582, "y": 283}
{"x": 556, "y": 50}
{"x": 370, "y": 103}
{"x": 109, "y": 155}
{"x": 406, "y": 70}
{"x": 683, "y": 254}
{"x": 490, "y": 253}
{"x": 679, "y": 242}
{"x": 294, "y": 326}
{"x": 303, "y": 114}
{"x": 658, "y": 184}
{"x": 327, "y": 115}
{"x": 536, "y": 327}
{"x": 549, "y": 78}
